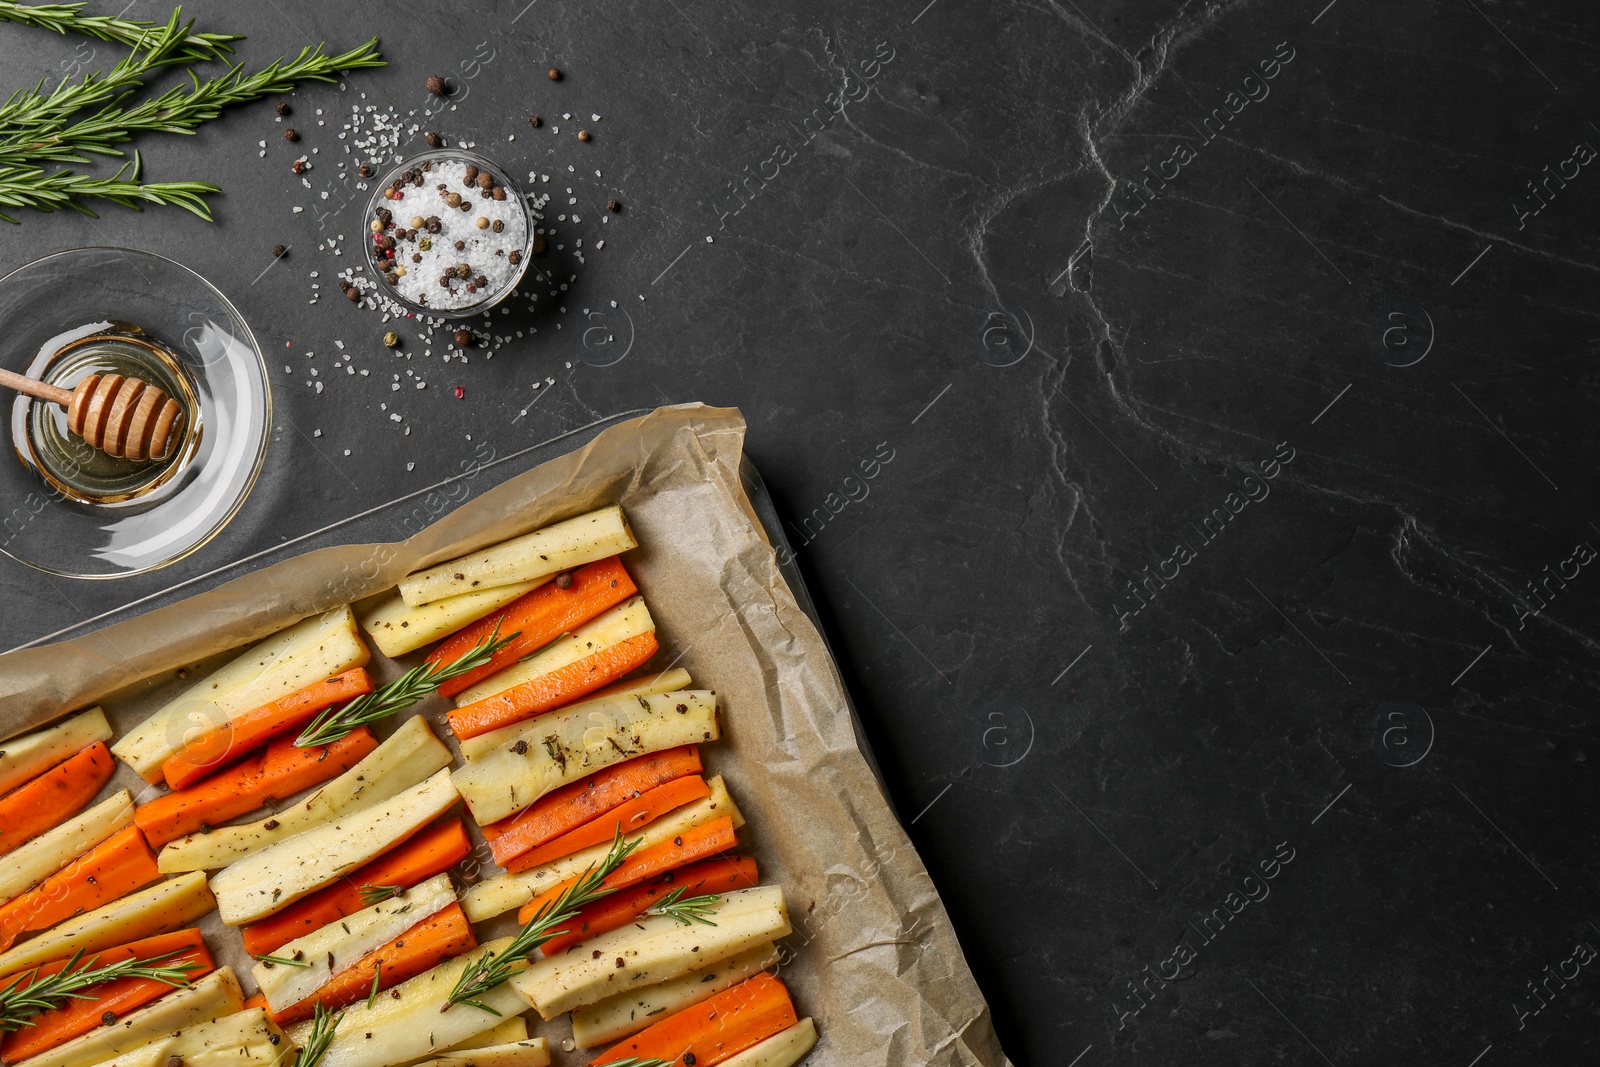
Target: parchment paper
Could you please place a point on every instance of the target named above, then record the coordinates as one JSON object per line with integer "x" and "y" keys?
{"x": 873, "y": 958}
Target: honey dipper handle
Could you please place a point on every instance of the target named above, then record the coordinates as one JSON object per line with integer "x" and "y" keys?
{"x": 34, "y": 387}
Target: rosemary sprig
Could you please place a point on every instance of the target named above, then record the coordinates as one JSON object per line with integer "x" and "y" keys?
{"x": 377, "y": 894}
{"x": 688, "y": 912}
{"x": 31, "y": 187}
{"x": 182, "y": 109}
{"x": 377, "y": 977}
{"x": 69, "y": 18}
{"x": 28, "y": 995}
{"x": 634, "y": 1061}
{"x": 323, "y": 1024}
{"x": 489, "y": 970}
{"x": 287, "y": 961}
{"x": 401, "y": 693}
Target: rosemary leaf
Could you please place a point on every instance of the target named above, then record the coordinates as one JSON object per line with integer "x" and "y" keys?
{"x": 323, "y": 1024}
{"x": 69, "y": 18}
{"x": 31, "y": 187}
{"x": 688, "y": 912}
{"x": 377, "y": 894}
{"x": 287, "y": 961}
{"x": 399, "y": 694}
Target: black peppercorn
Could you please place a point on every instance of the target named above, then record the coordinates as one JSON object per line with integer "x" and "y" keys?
{"x": 515, "y": 257}
{"x": 460, "y": 245}
{"x": 385, "y": 215}
{"x": 354, "y": 294}
{"x": 520, "y": 748}
{"x": 564, "y": 580}
{"x": 499, "y": 225}
{"x": 364, "y": 170}
{"x": 298, "y": 166}
{"x": 107, "y": 1018}
{"x": 432, "y": 139}
{"x": 282, "y": 108}
{"x": 535, "y": 121}
{"x": 539, "y": 244}
{"x": 437, "y": 85}
{"x": 471, "y": 175}
{"x": 290, "y": 135}
{"x": 481, "y": 281}
{"x": 278, "y": 251}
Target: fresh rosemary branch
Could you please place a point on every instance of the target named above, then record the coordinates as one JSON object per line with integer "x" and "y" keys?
{"x": 323, "y": 1024}
{"x": 37, "y": 113}
{"x": 183, "y": 109}
{"x": 377, "y": 894}
{"x": 634, "y": 1061}
{"x": 31, "y": 187}
{"x": 29, "y": 995}
{"x": 688, "y": 912}
{"x": 377, "y": 979}
{"x": 69, "y": 18}
{"x": 401, "y": 693}
{"x": 489, "y": 970}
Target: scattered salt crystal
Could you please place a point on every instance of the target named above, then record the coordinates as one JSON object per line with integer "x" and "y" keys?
{"x": 316, "y": 433}
{"x": 598, "y": 245}
{"x": 298, "y": 210}
{"x": 347, "y": 451}
{"x": 411, "y": 466}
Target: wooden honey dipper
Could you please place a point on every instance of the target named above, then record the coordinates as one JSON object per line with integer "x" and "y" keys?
{"x": 125, "y": 417}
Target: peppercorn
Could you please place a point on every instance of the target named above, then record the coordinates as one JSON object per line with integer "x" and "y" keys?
{"x": 282, "y": 108}
{"x": 499, "y": 224}
{"x": 485, "y": 181}
{"x": 539, "y": 244}
{"x": 290, "y": 135}
{"x": 386, "y": 242}
{"x": 471, "y": 174}
{"x": 385, "y": 215}
{"x": 174, "y": 1061}
{"x": 520, "y": 748}
{"x": 564, "y": 580}
{"x": 498, "y": 192}
{"x": 482, "y": 223}
{"x": 364, "y": 170}
{"x": 461, "y": 393}
{"x": 535, "y": 121}
{"x": 466, "y": 205}
{"x": 453, "y": 199}
{"x": 460, "y": 245}
{"x": 278, "y": 251}
{"x": 583, "y": 135}
{"x": 432, "y": 139}
{"x": 515, "y": 258}
{"x": 434, "y": 225}
{"x": 354, "y": 294}
{"x": 613, "y": 206}
{"x": 437, "y": 85}
{"x": 298, "y": 166}
{"x": 392, "y": 279}
{"x": 463, "y": 338}
{"x": 555, "y": 75}
{"x": 425, "y": 245}
{"x": 107, "y": 1018}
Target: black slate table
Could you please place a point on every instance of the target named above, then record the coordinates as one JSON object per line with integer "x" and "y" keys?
{"x": 1182, "y": 412}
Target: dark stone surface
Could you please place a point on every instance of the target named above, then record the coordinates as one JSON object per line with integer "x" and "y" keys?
{"x": 946, "y": 274}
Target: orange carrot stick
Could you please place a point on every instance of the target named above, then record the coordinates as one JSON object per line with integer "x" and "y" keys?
{"x": 276, "y": 774}
{"x": 723, "y": 874}
{"x": 641, "y": 811}
{"x": 54, "y": 797}
{"x": 573, "y": 805}
{"x": 716, "y": 1029}
{"x": 437, "y": 848}
{"x": 697, "y": 843}
{"x": 119, "y": 865}
{"x": 257, "y": 1001}
{"x": 441, "y": 936}
{"x": 233, "y": 740}
{"x": 57, "y": 1026}
{"x": 537, "y": 618}
{"x": 560, "y": 686}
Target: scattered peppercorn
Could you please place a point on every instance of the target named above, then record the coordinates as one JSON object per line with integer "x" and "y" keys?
{"x": 583, "y": 135}
{"x": 535, "y": 121}
{"x": 278, "y": 251}
{"x": 564, "y": 580}
{"x": 282, "y": 108}
{"x": 391, "y": 340}
{"x": 353, "y": 294}
{"x": 482, "y": 223}
{"x": 515, "y": 257}
{"x": 520, "y": 748}
{"x": 463, "y": 337}
{"x": 499, "y": 225}
{"x": 613, "y": 206}
{"x": 432, "y": 139}
{"x": 539, "y": 244}
{"x": 555, "y": 75}
{"x": 486, "y": 181}
{"x": 364, "y": 170}
{"x": 107, "y": 1018}
{"x": 290, "y": 135}
{"x": 460, "y": 393}
{"x": 437, "y": 85}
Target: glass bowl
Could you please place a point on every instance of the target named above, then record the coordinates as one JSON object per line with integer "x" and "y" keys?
{"x": 456, "y": 224}
{"x": 68, "y": 509}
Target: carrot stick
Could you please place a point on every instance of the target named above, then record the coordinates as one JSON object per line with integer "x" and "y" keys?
{"x": 716, "y": 1029}
{"x": 119, "y": 865}
{"x": 723, "y": 874}
{"x": 257, "y": 1001}
{"x": 57, "y": 1026}
{"x": 439, "y": 937}
{"x": 571, "y": 806}
{"x": 233, "y": 740}
{"x": 552, "y": 690}
{"x": 54, "y": 797}
{"x": 644, "y": 809}
{"x": 437, "y": 848}
{"x": 704, "y": 840}
{"x": 537, "y": 618}
{"x": 276, "y": 774}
